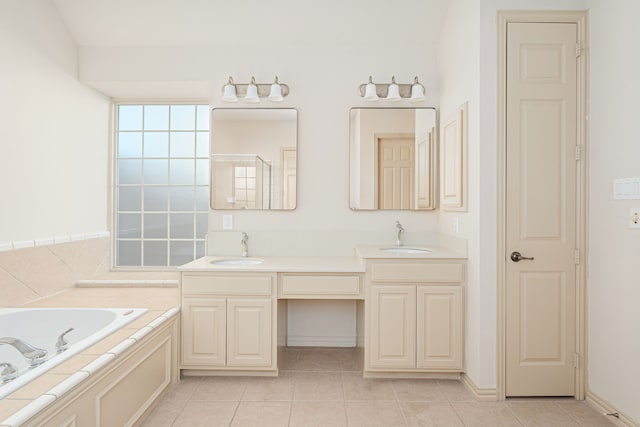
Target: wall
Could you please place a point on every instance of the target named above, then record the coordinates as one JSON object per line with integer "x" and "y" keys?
{"x": 614, "y": 249}
{"x": 53, "y": 130}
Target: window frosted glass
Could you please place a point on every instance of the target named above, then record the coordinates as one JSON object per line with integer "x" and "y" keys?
{"x": 130, "y": 117}
{"x": 156, "y": 198}
{"x": 183, "y": 117}
{"x": 202, "y": 199}
{"x": 156, "y": 117}
{"x": 182, "y": 199}
{"x": 203, "y": 117}
{"x": 130, "y": 225}
{"x": 156, "y": 144}
{"x": 156, "y": 226}
{"x": 200, "y": 249}
{"x": 202, "y": 222}
{"x": 155, "y": 253}
{"x": 129, "y": 172}
{"x": 129, "y": 253}
{"x": 202, "y": 172}
{"x": 181, "y": 253}
{"x": 130, "y": 144}
{"x": 182, "y": 226}
{"x": 182, "y": 172}
{"x": 156, "y": 172}
{"x": 183, "y": 144}
{"x": 129, "y": 198}
{"x": 202, "y": 144}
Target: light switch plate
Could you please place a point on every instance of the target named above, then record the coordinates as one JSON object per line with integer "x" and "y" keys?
{"x": 634, "y": 218}
{"x": 227, "y": 222}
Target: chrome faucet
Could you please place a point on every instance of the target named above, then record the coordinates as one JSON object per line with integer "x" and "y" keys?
{"x": 62, "y": 344}
{"x": 35, "y": 356}
{"x": 245, "y": 247}
{"x": 8, "y": 372}
{"x": 399, "y": 231}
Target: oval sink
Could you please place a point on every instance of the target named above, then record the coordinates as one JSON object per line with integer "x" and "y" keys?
{"x": 406, "y": 250}
{"x": 237, "y": 261}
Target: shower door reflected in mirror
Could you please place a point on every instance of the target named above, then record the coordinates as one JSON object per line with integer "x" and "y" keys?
{"x": 254, "y": 158}
{"x": 392, "y": 158}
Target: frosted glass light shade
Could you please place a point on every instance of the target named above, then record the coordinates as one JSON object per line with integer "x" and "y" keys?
{"x": 370, "y": 93}
{"x": 417, "y": 92}
{"x": 276, "y": 93}
{"x": 252, "y": 94}
{"x": 229, "y": 94}
{"x": 394, "y": 93}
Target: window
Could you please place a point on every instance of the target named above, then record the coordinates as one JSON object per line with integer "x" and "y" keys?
{"x": 162, "y": 184}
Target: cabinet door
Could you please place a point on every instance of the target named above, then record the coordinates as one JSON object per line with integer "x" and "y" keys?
{"x": 440, "y": 319}
{"x": 204, "y": 331}
{"x": 392, "y": 321}
{"x": 249, "y": 339}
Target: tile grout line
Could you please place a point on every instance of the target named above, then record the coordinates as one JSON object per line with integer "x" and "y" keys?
{"x": 449, "y": 402}
{"x": 522, "y": 423}
{"x": 395, "y": 394}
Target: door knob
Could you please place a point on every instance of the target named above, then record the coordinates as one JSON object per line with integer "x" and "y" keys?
{"x": 517, "y": 257}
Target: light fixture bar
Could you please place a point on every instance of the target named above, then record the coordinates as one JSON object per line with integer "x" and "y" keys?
{"x": 264, "y": 89}
{"x": 382, "y": 89}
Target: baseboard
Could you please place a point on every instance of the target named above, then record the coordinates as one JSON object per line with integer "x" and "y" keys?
{"x": 483, "y": 394}
{"x": 307, "y": 341}
{"x": 607, "y": 408}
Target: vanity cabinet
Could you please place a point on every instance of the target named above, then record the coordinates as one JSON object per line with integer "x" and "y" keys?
{"x": 228, "y": 321}
{"x": 414, "y": 316}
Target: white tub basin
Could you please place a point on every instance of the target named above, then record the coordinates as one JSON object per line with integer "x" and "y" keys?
{"x": 237, "y": 261}
{"x": 405, "y": 250}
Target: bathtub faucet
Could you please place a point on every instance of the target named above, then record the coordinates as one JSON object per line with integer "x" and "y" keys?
{"x": 35, "y": 356}
{"x": 62, "y": 344}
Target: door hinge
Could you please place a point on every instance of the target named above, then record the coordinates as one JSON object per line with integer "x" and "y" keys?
{"x": 576, "y": 360}
{"x": 576, "y": 256}
{"x": 578, "y": 50}
{"x": 578, "y": 152}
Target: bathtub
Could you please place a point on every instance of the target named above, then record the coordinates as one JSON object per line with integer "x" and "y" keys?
{"x": 40, "y": 327}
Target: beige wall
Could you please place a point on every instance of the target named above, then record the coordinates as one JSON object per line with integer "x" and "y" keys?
{"x": 53, "y": 131}
{"x": 614, "y": 249}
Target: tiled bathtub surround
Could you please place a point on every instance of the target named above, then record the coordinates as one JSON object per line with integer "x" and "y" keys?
{"x": 31, "y": 273}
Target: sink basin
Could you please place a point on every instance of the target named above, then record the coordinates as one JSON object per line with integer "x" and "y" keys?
{"x": 237, "y": 261}
{"x": 406, "y": 250}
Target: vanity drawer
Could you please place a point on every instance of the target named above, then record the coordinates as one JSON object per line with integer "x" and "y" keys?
{"x": 235, "y": 284}
{"x": 320, "y": 286}
{"x": 420, "y": 272}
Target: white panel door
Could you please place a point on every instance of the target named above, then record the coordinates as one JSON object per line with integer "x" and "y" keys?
{"x": 541, "y": 208}
{"x": 204, "y": 331}
{"x": 393, "y": 326}
{"x": 439, "y": 331}
{"x": 396, "y": 165}
{"x": 249, "y": 332}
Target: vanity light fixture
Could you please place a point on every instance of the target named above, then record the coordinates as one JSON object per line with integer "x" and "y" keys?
{"x": 392, "y": 91}
{"x": 252, "y": 92}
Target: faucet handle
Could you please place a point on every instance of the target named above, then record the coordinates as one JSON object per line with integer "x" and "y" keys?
{"x": 62, "y": 344}
{"x": 8, "y": 372}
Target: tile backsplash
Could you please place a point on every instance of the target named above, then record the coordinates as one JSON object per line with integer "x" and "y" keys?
{"x": 30, "y": 273}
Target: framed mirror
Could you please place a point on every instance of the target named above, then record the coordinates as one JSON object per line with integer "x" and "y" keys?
{"x": 254, "y": 158}
{"x": 392, "y": 158}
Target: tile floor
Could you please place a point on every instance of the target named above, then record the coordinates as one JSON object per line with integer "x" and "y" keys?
{"x": 324, "y": 387}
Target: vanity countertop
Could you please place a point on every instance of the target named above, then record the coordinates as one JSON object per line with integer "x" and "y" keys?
{"x": 302, "y": 264}
{"x": 434, "y": 252}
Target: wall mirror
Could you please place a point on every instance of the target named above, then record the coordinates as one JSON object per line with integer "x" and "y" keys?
{"x": 254, "y": 158}
{"x": 392, "y": 158}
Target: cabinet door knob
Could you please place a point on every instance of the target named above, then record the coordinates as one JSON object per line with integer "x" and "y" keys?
{"x": 517, "y": 257}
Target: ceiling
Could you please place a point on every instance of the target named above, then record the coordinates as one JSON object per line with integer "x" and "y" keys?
{"x": 244, "y": 22}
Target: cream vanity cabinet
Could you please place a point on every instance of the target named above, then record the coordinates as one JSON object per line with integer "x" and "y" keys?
{"x": 228, "y": 321}
{"x": 414, "y": 315}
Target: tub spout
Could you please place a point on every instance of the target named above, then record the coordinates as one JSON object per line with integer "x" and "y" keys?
{"x": 35, "y": 356}
{"x": 62, "y": 344}
{"x": 8, "y": 372}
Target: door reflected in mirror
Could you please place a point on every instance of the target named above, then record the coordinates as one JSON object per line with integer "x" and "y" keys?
{"x": 392, "y": 158}
{"x": 254, "y": 158}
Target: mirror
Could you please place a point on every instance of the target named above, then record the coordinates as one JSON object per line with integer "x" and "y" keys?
{"x": 254, "y": 158}
{"x": 392, "y": 158}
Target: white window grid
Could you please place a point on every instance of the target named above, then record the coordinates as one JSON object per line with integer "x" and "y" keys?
{"x": 199, "y": 213}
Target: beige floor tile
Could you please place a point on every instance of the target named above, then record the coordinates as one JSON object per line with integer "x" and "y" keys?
{"x": 164, "y": 414}
{"x": 206, "y": 414}
{"x": 351, "y": 361}
{"x": 430, "y": 414}
{"x": 184, "y": 389}
{"x": 289, "y": 357}
{"x": 270, "y": 388}
{"x": 315, "y": 360}
{"x": 418, "y": 390}
{"x": 485, "y": 414}
{"x": 263, "y": 414}
{"x": 585, "y": 414}
{"x": 318, "y": 386}
{"x": 358, "y": 388}
{"x": 541, "y": 414}
{"x": 318, "y": 414}
{"x": 220, "y": 388}
{"x": 374, "y": 414}
{"x": 456, "y": 391}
